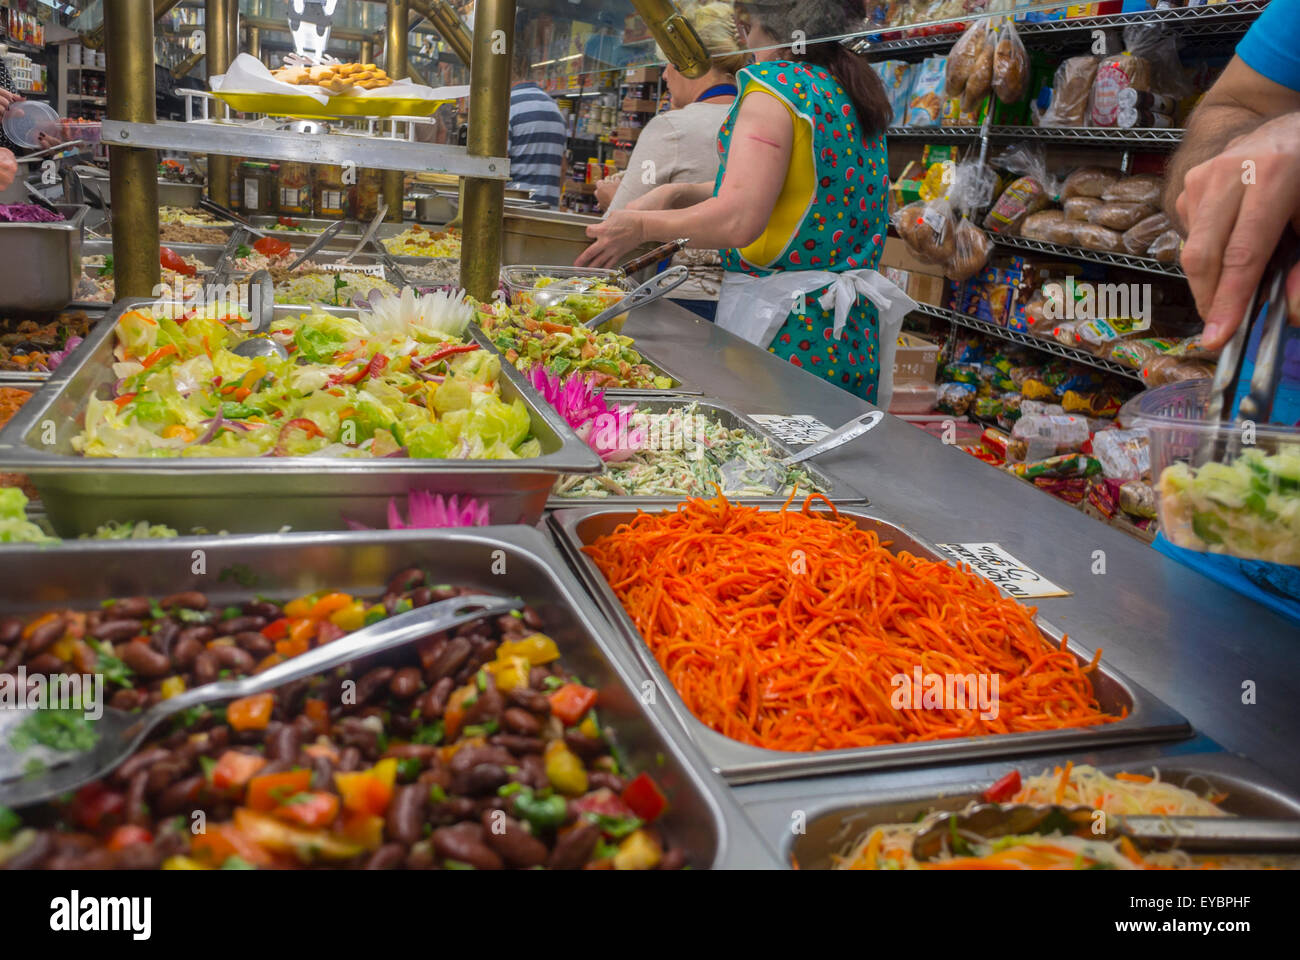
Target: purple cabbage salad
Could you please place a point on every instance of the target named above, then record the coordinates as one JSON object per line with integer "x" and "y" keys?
{"x": 27, "y": 213}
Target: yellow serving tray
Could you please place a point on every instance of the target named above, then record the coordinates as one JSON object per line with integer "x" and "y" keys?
{"x": 295, "y": 105}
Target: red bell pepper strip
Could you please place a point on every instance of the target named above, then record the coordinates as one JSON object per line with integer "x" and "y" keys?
{"x": 158, "y": 354}
{"x": 170, "y": 259}
{"x": 298, "y": 423}
{"x": 442, "y": 353}
{"x": 1004, "y": 789}
{"x": 271, "y": 247}
{"x": 126, "y": 835}
{"x": 571, "y": 702}
{"x": 276, "y": 629}
{"x": 124, "y": 399}
{"x": 642, "y": 795}
{"x": 95, "y": 804}
{"x": 287, "y": 222}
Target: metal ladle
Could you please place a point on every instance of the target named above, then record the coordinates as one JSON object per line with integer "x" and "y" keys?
{"x": 261, "y": 307}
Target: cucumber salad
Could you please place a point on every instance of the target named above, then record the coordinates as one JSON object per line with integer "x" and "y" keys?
{"x": 1249, "y": 508}
{"x": 679, "y": 453}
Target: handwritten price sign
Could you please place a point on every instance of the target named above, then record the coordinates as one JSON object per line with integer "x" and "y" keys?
{"x": 993, "y": 563}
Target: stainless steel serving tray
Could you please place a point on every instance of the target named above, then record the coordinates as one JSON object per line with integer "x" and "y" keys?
{"x": 209, "y": 254}
{"x": 392, "y": 272}
{"x": 405, "y": 261}
{"x": 679, "y": 386}
{"x": 1148, "y": 718}
{"x": 837, "y": 489}
{"x": 258, "y": 494}
{"x": 830, "y": 814}
{"x": 16, "y": 378}
{"x": 171, "y": 193}
{"x": 702, "y": 815}
{"x": 313, "y": 226}
{"x": 41, "y": 261}
{"x": 297, "y": 241}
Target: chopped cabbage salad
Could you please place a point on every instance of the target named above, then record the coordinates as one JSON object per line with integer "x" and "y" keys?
{"x": 416, "y": 241}
{"x": 375, "y": 385}
{"x": 1249, "y": 508}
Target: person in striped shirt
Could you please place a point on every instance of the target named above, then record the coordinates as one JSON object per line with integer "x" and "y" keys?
{"x": 537, "y": 136}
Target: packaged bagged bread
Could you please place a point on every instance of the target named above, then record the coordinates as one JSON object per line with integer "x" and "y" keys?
{"x": 971, "y": 249}
{"x": 1088, "y": 182}
{"x": 980, "y": 80}
{"x": 927, "y": 228}
{"x": 1166, "y": 246}
{"x": 962, "y": 57}
{"x": 1139, "y": 237}
{"x": 1118, "y": 215}
{"x": 1071, "y": 91}
{"x": 1022, "y": 197}
{"x": 1119, "y": 72}
{"x": 1010, "y": 64}
{"x": 1169, "y": 369}
{"x": 1049, "y": 226}
{"x": 1142, "y": 188}
{"x": 1096, "y": 237}
{"x": 1079, "y": 208}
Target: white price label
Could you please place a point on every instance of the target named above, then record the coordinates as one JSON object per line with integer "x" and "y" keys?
{"x": 993, "y": 563}
{"x": 369, "y": 269}
{"x": 792, "y": 428}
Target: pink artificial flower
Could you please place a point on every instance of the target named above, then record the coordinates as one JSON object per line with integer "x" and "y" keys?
{"x": 601, "y": 426}
{"x": 427, "y": 511}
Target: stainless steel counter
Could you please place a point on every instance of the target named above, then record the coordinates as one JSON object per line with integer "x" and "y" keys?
{"x": 1188, "y": 640}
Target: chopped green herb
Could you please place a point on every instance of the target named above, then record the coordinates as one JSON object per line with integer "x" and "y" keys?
{"x": 109, "y": 664}
{"x": 510, "y": 789}
{"x": 437, "y": 794}
{"x": 208, "y": 764}
{"x": 57, "y": 729}
{"x": 480, "y": 678}
{"x": 187, "y": 615}
{"x": 430, "y": 734}
{"x": 374, "y": 616}
{"x": 156, "y": 611}
{"x": 517, "y": 614}
{"x": 408, "y": 768}
{"x": 616, "y": 827}
{"x": 231, "y": 612}
{"x": 404, "y": 605}
{"x": 552, "y": 683}
{"x": 604, "y": 851}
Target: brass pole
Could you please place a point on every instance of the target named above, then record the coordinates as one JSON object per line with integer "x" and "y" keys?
{"x": 413, "y": 73}
{"x": 448, "y": 24}
{"x": 216, "y": 27}
{"x": 483, "y": 204}
{"x": 367, "y": 51}
{"x": 133, "y": 174}
{"x": 95, "y": 38}
{"x": 675, "y": 36}
{"x": 255, "y": 42}
{"x": 395, "y": 63}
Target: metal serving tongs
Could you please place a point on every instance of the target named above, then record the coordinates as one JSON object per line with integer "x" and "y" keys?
{"x": 660, "y": 285}
{"x": 119, "y": 733}
{"x": 1193, "y": 834}
{"x": 325, "y": 237}
{"x": 368, "y": 234}
{"x": 739, "y": 474}
{"x": 227, "y": 214}
{"x": 1268, "y": 307}
{"x": 549, "y": 296}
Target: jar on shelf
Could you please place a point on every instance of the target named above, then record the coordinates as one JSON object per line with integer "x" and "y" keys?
{"x": 329, "y": 195}
{"x": 257, "y": 186}
{"x": 295, "y": 194}
{"x": 363, "y": 196}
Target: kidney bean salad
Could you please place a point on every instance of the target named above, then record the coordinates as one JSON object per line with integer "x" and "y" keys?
{"x": 467, "y": 749}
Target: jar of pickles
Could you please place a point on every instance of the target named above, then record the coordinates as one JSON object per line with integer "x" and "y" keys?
{"x": 329, "y": 195}
{"x": 363, "y": 196}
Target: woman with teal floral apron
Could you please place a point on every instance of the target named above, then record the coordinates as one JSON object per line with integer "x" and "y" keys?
{"x": 799, "y": 208}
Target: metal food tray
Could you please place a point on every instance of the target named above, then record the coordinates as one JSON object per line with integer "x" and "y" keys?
{"x": 402, "y": 260}
{"x": 209, "y": 254}
{"x": 392, "y": 272}
{"x": 259, "y": 494}
{"x": 836, "y": 489}
{"x": 17, "y": 378}
{"x": 832, "y": 814}
{"x": 297, "y": 241}
{"x": 679, "y": 386}
{"x": 1148, "y": 718}
{"x": 314, "y": 226}
{"x": 42, "y": 261}
{"x": 387, "y": 230}
{"x": 702, "y": 815}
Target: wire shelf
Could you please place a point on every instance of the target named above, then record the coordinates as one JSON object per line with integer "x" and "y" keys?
{"x": 1147, "y": 264}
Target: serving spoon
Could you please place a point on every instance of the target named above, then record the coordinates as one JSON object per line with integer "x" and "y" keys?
{"x": 119, "y": 733}
{"x": 261, "y": 308}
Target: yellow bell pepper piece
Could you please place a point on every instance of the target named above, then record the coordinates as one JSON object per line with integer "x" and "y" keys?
{"x": 183, "y": 863}
{"x": 537, "y": 648}
{"x": 638, "y": 851}
{"x": 352, "y": 617}
{"x": 309, "y": 846}
{"x": 509, "y": 672}
{"x": 588, "y": 727}
{"x": 565, "y": 770}
{"x": 299, "y": 607}
{"x": 64, "y": 649}
{"x": 171, "y": 687}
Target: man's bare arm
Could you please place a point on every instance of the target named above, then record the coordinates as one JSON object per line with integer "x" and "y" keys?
{"x": 1238, "y": 102}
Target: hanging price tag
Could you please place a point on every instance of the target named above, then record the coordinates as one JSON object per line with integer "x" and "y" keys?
{"x": 369, "y": 269}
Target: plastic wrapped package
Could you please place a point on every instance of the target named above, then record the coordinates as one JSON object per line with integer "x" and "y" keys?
{"x": 995, "y": 442}
{"x": 955, "y": 398}
{"x": 1096, "y": 237}
{"x": 913, "y": 396}
{"x": 1049, "y": 226}
{"x": 963, "y": 56}
{"x": 1065, "y": 432}
{"x": 1062, "y": 465}
{"x": 1071, "y": 92}
{"x": 972, "y": 248}
{"x": 1138, "y": 238}
{"x": 1168, "y": 369}
{"x": 1123, "y": 454}
{"x": 1036, "y": 408}
{"x": 1120, "y": 215}
{"x": 1088, "y": 182}
{"x": 1096, "y": 405}
{"x": 1166, "y": 246}
{"x": 1022, "y": 197}
{"x": 927, "y": 228}
{"x": 1138, "y": 353}
{"x": 1141, "y": 188}
{"x": 897, "y": 76}
{"x": 925, "y": 102}
{"x": 1115, "y": 73}
{"x": 1079, "y": 208}
{"x": 980, "y": 79}
{"x": 1010, "y": 64}
{"x": 1138, "y": 499}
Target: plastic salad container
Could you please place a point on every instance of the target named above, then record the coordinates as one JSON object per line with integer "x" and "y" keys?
{"x": 523, "y": 283}
{"x": 1248, "y": 507}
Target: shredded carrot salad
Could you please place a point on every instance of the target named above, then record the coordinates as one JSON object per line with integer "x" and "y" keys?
{"x": 784, "y": 629}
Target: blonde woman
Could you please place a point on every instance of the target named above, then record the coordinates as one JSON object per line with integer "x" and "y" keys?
{"x": 681, "y": 146}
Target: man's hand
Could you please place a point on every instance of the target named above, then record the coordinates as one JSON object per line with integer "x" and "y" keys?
{"x": 1235, "y": 206}
{"x": 8, "y": 169}
{"x": 7, "y": 97}
{"x": 616, "y": 236}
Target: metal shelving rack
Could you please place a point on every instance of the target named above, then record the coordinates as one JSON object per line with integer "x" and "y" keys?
{"x": 1147, "y": 264}
{"x": 1024, "y": 339}
{"x": 1153, "y": 137}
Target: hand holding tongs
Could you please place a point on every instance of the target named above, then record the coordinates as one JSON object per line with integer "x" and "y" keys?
{"x": 1268, "y": 307}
